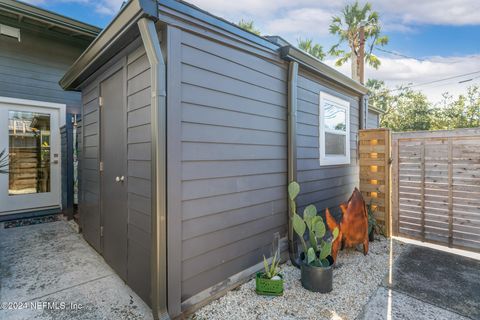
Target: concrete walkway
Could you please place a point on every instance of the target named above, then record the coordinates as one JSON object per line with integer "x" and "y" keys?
{"x": 49, "y": 272}
{"x": 428, "y": 284}
{"x": 50, "y": 263}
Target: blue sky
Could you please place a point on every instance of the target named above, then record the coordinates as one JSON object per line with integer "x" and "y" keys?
{"x": 441, "y": 38}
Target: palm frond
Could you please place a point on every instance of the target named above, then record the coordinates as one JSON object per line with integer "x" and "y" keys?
{"x": 347, "y": 26}
{"x": 381, "y": 41}
{"x": 4, "y": 162}
{"x": 249, "y": 26}
{"x": 372, "y": 60}
{"x": 309, "y": 47}
{"x": 343, "y": 59}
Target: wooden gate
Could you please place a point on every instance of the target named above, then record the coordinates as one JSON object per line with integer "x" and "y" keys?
{"x": 374, "y": 151}
{"x": 436, "y": 187}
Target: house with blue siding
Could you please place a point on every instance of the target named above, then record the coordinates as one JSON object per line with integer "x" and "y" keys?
{"x": 36, "y": 48}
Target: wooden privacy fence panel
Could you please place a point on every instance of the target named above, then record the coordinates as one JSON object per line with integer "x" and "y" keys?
{"x": 374, "y": 152}
{"x": 436, "y": 181}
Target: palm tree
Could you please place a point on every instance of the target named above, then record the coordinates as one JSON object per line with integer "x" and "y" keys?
{"x": 4, "y": 162}
{"x": 249, "y": 26}
{"x": 347, "y": 28}
{"x": 308, "y": 46}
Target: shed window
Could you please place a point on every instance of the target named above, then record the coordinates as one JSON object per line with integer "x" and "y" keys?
{"x": 334, "y": 130}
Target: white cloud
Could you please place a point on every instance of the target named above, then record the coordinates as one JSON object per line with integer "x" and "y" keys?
{"x": 311, "y": 18}
{"x": 397, "y": 72}
{"x": 289, "y": 16}
{"x": 401, "y": 14}
{"x": 316, "y": 21}
{"x": 439, "y": 12}
{"x": 108, "y": 7}
{"x": 236, "y": 10}
{"x": 35, "y": 2}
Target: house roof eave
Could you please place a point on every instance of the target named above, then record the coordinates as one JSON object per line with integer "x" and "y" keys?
{"x": 88, "y": 61}
{"x": 304, "y": 59}
{"x": 21, "y": 10}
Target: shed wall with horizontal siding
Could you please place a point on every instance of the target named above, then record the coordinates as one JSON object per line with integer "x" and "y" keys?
{"x": 89, "y": 174}
{"x": 234, "y": 157}
{"x": 233, "y": 160}
{"x": 139, "y": 172}
{"x": 138, "y": 165}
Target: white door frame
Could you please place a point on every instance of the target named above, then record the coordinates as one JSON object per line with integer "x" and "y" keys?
{"x": 58, "y": 112}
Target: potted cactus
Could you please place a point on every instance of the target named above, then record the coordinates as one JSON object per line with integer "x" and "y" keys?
{"x": 316, "y": 267}
{"x": 270, "y": 282}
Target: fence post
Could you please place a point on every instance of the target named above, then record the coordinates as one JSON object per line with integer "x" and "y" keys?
{"x": 450, "y": 192}
{"x": 388, "y": 183}
{"x": 422, "y": 190}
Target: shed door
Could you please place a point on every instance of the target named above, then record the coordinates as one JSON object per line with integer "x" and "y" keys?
{"x": 114, "y": 184}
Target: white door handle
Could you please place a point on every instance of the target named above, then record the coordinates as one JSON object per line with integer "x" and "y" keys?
{"x": 122, "y": 178}
{"x": 117, "y": 179}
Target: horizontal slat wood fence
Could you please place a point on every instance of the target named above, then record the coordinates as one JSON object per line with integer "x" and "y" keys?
{"x": 436, "y": 187}
{"x": 374, "y": 151}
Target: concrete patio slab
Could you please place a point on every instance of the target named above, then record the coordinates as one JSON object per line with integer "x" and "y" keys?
{"x": 447, "y": 280}
{"x": 51, "y": 263}
{"x": 428, "y": 284}
{"x": 390, "y": 304}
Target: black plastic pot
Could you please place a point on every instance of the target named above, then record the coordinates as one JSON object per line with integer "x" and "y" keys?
{"x": 317, "y": 279}
{"x": 371, "y": 235}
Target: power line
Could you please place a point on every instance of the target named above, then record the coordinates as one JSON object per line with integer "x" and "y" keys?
{"x": 468, "y": 80}
{"x": 450, "y": 84}
{"x": 398, "y": 54}
{"x": 435, "y": 81}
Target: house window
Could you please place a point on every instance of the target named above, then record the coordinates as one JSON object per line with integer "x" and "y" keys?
{"x": 334, "y": 130}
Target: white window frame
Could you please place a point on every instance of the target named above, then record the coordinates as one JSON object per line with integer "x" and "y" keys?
{"x": 330, "y": 160}
{"x": 10, "y": 31}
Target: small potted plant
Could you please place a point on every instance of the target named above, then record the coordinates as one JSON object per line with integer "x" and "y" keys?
{"x": 316, "y": 267}
{"x": 270, "y": 282}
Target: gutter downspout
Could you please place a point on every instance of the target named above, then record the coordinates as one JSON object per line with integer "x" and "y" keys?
{"x": 292, "y": 152}
{"x": 363, "y": 112}
{"x": 151, "y": 42}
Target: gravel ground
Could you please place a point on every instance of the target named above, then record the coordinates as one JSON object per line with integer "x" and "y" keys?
{"x": 355, "y": 279}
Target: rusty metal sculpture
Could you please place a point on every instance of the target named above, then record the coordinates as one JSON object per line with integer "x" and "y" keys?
{"x": 353, "y": 225}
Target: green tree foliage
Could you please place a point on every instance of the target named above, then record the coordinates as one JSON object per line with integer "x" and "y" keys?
{"x": 347, "y": 27}
{"x": 309, "y": 47}
{"x": 248, "y": 25}
{"x": 460, "y": 112}
{"x": 408, "y": 110}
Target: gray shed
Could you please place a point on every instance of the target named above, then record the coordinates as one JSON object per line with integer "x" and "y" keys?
{"x": 192, "y": 128}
